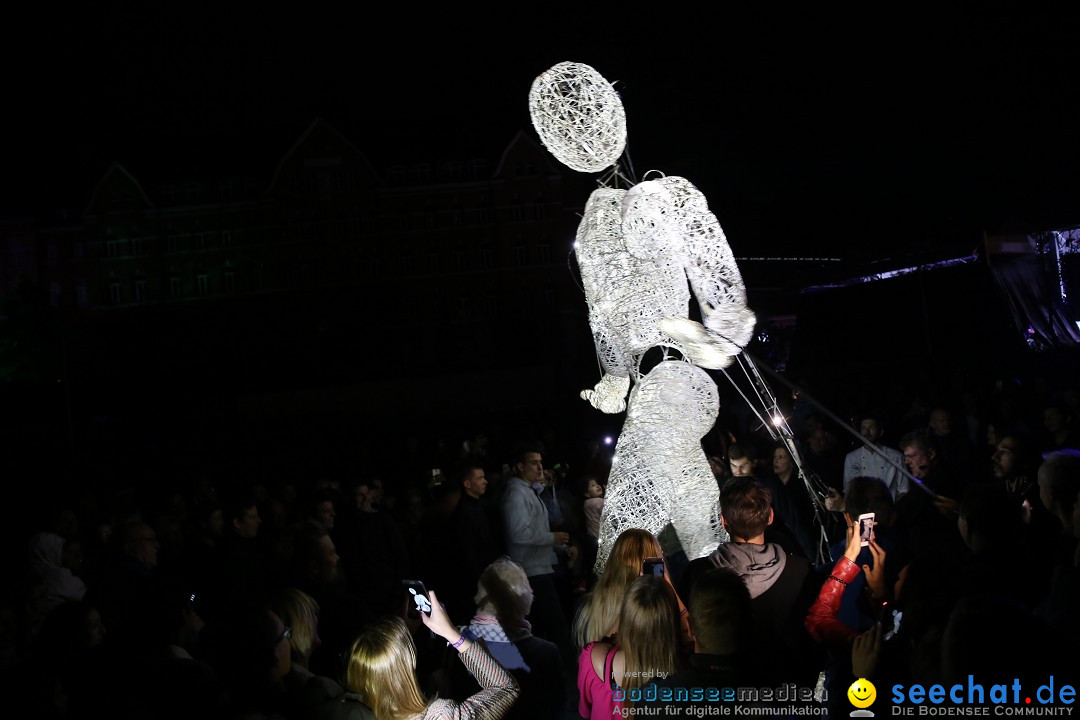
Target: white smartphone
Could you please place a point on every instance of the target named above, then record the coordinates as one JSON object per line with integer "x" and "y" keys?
{"x": 866, "y": 529}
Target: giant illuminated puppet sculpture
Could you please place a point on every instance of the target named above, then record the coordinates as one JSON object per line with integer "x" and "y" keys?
{"x": 640, "y": 252}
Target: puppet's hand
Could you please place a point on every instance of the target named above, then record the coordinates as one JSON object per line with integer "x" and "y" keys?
{"x": 608, "y": 395}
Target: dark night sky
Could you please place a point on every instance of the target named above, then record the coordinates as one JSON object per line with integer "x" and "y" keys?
{"x": 843, "y": 132}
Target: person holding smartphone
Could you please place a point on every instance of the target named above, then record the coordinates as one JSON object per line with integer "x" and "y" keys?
{"x": 381, "y": 672}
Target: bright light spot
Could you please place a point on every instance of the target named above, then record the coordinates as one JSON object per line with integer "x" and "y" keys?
{"x": 576, "y": 244}
{"x": 778, "y": 420}
{"x": 607, "y": 440}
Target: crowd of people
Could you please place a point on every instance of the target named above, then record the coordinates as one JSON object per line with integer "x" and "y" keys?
{"x": 234, "y": 598}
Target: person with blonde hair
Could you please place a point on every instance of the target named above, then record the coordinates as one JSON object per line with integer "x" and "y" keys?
{"x": 382, "y": 673}
{"x": 300, "y": 612}
{"x": 597, "y": 617}
{"x": 611, "y": 675}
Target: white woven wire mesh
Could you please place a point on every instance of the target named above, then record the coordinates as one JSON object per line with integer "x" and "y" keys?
{"x": 659, "y": 473}
{"x": 578, "y": 116}
{"x": 641, "y": 252}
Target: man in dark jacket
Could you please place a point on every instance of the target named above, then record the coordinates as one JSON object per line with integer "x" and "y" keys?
{"x": 782, "y": 585}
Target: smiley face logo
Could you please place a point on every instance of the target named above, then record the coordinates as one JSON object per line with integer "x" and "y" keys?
{"x": 862, "y": 693}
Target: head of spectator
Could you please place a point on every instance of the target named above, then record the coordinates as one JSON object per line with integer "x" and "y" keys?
{"x": 242, "y": 516}
{"x": 382, "y": 670}
{"x": 870, "y": 426}
{"x": 503, "y": 590}
{"x": 819, "y": 440}
{"x": 649, "y": 631}
{"x": 208, "y": 522}
{"x": 720, "y": 612}
{"x": 314, "y": 556}
{"x": 1057, "y": 419}
{"x": 139, "y": 542}
{"x": 940, "y": 421}
{"x": 783, "y": 465}
{"x": 920, "y": 450}
{"x": 362, "y": 496}
{"x": 741, "y": 460}
{"x": 300, "y": 612}
{"x": 248, "y": 647}
{"x": 745, "y": 509}
{"x": 320, "y": 508}
{"x": 1015, "y": 456}
{"x": 473, "y": 480}
{"x": 1059, "y": 482}
{"x": 869, "y": 495}
{"x": 594, "y": 488}
{"x": 529, "y": 463}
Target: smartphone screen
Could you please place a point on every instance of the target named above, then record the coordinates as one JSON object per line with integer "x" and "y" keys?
{"x": 866, "y": 528}
{"x": 653, "y": 566}
{"x": 418, "y": 598}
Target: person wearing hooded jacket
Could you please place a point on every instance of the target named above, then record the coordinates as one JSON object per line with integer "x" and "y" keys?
{"x": 782, "y": 585}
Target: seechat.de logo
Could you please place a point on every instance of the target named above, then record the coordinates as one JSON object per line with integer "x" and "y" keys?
{"x": 972, "y": 698}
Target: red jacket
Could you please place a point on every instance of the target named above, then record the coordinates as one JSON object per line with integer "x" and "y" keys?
{"x": 821, "y": 620}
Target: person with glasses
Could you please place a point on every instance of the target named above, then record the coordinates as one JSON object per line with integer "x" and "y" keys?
{"x": 248, "y": 647}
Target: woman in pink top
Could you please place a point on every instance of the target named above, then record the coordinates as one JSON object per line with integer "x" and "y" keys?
{"x": 647, "y": 647}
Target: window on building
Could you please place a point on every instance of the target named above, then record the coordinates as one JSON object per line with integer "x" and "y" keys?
{"x": 257, "y": 278}
{"x": 226, "y": 238}
{"x": 542, "y": 211}
{"x": 116, "y": 292}
{"x": 204, "y": 283}
{"x": 112, "y": 248}
{"x": 171, "y": 243}
{"x": 138, "y": 246}
{"x": 487, "y": 258}
{"x": 519, "y": 255}
{"x": 139, "y": 287}
{"x": 545, "y": 253}
{"x": 82, "y": 294}
{"x": 176, "y": 288}
{"x": 230, "y": 281}
{"x": 54, "y": 294}
{"x": 200, "y": 241}
{"x": 515, "y": 210}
